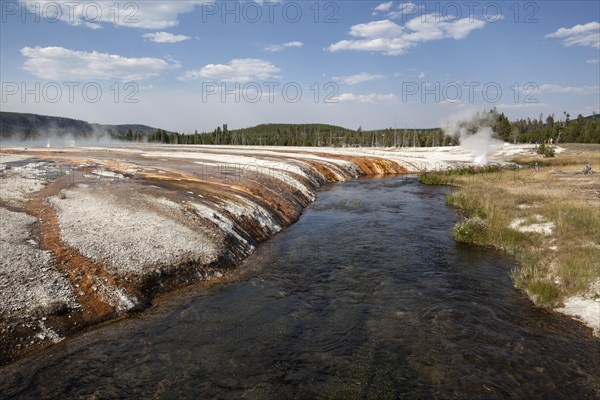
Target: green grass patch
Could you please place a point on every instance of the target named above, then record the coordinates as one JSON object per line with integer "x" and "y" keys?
{"x": 552, "y": 266}
{"x": 451, "y": 176}
{"x": 544, "y": 293}
{"x": 578, "y": 267}
{"x": 469, "y": 230}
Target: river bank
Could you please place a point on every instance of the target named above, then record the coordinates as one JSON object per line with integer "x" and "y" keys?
{"x": 90, "y": 234}
{"x": 547, "y": 218}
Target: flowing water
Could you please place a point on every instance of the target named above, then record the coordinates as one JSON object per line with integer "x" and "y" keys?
{"x": 367, "y": 296}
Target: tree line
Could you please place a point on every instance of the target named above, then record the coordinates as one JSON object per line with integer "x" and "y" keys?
{"x": 536, "y": 130}
{"x": 308, "y": 135}
{"x": 539, "y": 130}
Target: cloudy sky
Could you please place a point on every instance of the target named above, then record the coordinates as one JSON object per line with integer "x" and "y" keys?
{"x": 186, "y": 65}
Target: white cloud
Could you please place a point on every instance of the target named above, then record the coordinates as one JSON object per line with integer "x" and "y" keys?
{"x": 383, "y": 7}
{"x": 408, "y": 7}
{"x": 389, "y": 38}
{"x": 64, "y": 64}
{"x": 422, "y": 74}
{"x": 453, "y": 102}
{"x": 521, "y": 106}
{"x": 593, "y": 61}
{"x": 237, "y": 70}
{"x": 376, "y": 29}
{"x": 280, "y": 47}
{"x": 365, "y": 98}
{"x": 357, "y": 78}
{"x": 581, "y": 90}
{"x": 404, "y": 9}
{"x": 587, "y": 35}
{"x": 593, "y": 109}
{"x": 165, "y": 37}
{"x": 406, "y": 71}
{"x": 139, "y": 14}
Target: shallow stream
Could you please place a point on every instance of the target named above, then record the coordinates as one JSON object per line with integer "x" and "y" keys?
{"x": 367, "y": 296}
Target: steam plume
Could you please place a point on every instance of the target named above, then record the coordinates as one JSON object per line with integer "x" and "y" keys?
{"x": 475, "y": 134}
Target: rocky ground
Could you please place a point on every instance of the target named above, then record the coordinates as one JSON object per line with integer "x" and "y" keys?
{"x": 42, "y": 289}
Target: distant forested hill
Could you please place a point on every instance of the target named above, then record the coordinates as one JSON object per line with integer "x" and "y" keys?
{"x": 33, "y": 127}
{"x": 311, "y": 135}
{"x": 19, "y": 126}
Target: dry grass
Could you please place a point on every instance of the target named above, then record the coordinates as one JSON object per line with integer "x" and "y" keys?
{"x": 574, "y": 155}
{"x": 555, "y": 265}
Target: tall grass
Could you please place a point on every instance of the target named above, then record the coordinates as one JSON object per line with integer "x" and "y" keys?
{"x": 551, "y": 267}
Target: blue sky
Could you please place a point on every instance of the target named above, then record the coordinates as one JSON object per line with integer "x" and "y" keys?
{"x": 186, "y": 65}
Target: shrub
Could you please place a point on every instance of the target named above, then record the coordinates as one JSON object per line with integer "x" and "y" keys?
{"x": 544, "y": 293}
{"x": 469, "y": 230}
{"x": 546, "y": 151}
{"x": 435, "y": 178}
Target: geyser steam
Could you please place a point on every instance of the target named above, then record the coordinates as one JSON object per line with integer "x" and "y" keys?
{"x": 475, "y": 134}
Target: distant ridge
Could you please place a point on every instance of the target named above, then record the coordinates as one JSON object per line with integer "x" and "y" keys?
{"x": 41, "y": 129}
{"x": 22, "y": 126}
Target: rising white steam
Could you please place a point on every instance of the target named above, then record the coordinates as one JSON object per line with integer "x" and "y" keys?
{"x": 475, "y": 134}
